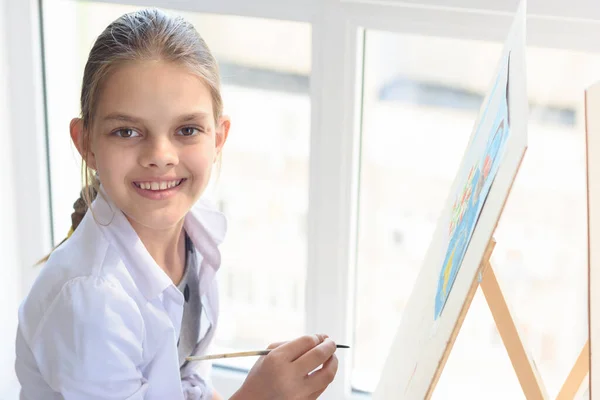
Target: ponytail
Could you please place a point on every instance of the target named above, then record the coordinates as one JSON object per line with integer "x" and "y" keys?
{"x": 80, "y": 207}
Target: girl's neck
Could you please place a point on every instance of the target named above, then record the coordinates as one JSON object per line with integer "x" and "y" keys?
{"x": 167, "y": 248}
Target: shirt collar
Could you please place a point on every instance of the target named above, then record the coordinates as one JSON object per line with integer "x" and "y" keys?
{"x": 205, "y": 226}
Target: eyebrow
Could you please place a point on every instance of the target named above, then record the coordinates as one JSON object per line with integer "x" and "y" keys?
{"x": 192, "y": 117}
{"x": 121, "y": 117}
{"x": 131, "y": 119}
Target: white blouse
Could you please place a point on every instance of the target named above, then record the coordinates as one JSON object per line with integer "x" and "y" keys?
{"x": 102, "y": 319}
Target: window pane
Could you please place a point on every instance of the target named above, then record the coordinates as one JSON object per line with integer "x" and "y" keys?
{"x": 263, "y": 183}
{"x": 420, "y": 104}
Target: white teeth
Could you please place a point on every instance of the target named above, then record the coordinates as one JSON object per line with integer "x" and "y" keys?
{"x": 158, "y": 185}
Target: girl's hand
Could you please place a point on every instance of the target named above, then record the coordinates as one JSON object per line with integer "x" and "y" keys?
{"x": 285, "y": 373}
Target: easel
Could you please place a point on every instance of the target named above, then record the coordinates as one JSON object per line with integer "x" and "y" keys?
{"x": 424, "y": 340}
{"x": 523, "y": 365}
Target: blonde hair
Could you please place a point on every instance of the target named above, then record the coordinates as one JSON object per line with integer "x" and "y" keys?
{"x": 148, "y": 34}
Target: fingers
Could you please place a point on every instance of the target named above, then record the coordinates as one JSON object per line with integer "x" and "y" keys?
{"x": 321, "y": 378}
{"x": 316, "y": 356}
{"x": 275, "y": 345}
{"x": 291, "y": 351}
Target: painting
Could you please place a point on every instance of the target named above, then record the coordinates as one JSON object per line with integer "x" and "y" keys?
{"x": 443, "y": 290}
{"x": 485, "y": 153}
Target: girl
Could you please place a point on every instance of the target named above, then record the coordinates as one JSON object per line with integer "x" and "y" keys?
{"x": 132, "y": 292}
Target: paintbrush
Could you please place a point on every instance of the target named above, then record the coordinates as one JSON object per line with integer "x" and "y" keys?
{"x": 242, "y": 354}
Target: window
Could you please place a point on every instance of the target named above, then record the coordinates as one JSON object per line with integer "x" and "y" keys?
{"x": 420, "y": 103}
{"x": 285, "y": 260}
{"x": 263, "y": 183}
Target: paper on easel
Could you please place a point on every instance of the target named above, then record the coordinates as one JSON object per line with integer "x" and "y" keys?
{"x": 480, "y": 165}
{"x": 423, "y": 342}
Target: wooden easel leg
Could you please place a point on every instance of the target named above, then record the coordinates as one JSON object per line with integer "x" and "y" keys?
{"x": 523, "y": 366}
{"x": 463, "y": 313}
{"x": 577, "y": 375}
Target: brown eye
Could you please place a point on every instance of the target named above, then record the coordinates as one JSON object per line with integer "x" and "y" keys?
{"x": 126, "y": 133}
{"x": 189, "y": 131}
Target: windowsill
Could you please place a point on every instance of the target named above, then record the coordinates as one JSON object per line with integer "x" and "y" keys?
{"x": 228, "y": 379}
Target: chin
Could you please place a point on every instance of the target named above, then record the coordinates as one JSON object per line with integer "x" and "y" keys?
{"x": 156, "y": 220}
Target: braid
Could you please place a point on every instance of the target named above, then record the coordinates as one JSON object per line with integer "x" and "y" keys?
{"x": 80, "y": 206}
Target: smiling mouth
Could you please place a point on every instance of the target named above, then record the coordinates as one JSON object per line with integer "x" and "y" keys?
{"x": 158, "y": 186}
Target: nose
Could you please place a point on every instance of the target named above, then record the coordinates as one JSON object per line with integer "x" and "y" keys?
{"x": 159, "y": 152}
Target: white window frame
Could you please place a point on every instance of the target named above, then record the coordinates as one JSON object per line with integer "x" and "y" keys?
{"x": 26, "y": 103}
{"x": 335, "y": 123}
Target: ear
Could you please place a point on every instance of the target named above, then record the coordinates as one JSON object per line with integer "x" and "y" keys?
{"x": 222, "y": 132}
{"x": 81, "y": 142}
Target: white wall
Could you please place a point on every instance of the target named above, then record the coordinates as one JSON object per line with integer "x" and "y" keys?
{"x": 9, "y": 259}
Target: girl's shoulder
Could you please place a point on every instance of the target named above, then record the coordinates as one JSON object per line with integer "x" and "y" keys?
{"x": 79, "y": 274}
{"x": 84, "y": 253}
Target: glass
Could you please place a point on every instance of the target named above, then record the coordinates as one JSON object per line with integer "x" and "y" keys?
{"x": 420, "y": 104}
{"x": 262, "y": 186}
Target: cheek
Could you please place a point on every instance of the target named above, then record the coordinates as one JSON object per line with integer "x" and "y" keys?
{"x": 199, "y": 162}
{"x": 112, "y": 162}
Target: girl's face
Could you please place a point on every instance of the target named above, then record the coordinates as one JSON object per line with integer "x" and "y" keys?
{"x": 154, "y": 141}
